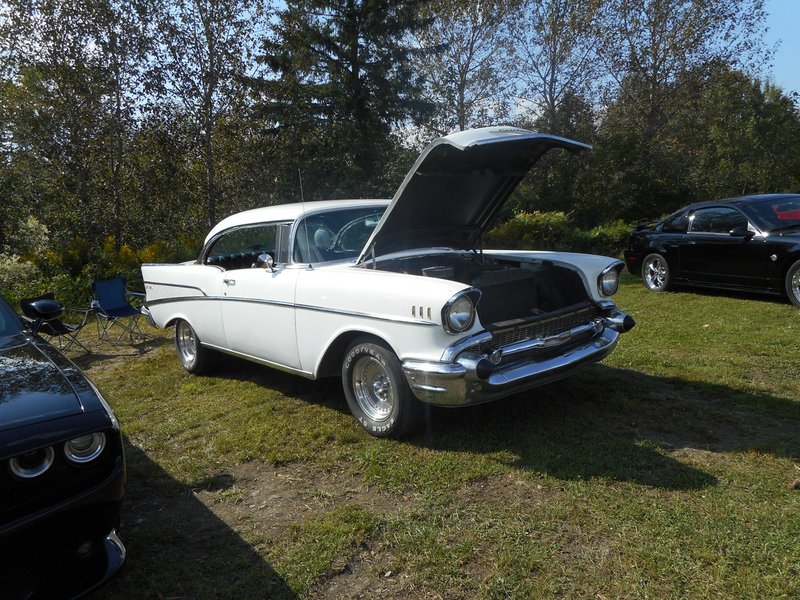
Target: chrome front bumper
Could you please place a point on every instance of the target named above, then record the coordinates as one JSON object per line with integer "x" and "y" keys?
{"x": 472, "y": 378}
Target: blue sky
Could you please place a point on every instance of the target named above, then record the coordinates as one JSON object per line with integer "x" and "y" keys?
{"x": 784, "y": 26}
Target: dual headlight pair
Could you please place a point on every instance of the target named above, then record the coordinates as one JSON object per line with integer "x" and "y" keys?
{"x": 80, "y": 451}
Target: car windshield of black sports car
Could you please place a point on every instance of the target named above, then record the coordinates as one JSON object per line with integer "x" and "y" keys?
{"x": 9, "y": 322}
{"x": 778, "y": 214}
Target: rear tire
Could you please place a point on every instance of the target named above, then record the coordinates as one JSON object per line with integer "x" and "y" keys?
{"x": 655, "y": 273}
{"x": 792, "y": 284}
{"x": 377, "y": 391}
{"x": 193, "y": 356}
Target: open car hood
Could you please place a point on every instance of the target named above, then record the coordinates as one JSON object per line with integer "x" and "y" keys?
{"x": 456, "y": 186}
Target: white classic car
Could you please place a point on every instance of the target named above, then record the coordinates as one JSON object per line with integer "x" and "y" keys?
{"x": 397, "y": 297}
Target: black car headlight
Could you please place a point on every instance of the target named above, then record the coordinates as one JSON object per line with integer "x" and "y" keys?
{"x": 458, "y": 314}
{"x": 32, "y": 464}
{"x": 86, "y": 448}
{"x": 608, "y": 281}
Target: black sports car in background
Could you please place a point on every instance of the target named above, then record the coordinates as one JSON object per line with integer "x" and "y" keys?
{"x": 62, "y": 471}
{"x": 750, "y": 243}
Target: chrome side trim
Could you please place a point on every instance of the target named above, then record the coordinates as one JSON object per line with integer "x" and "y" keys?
{"x": 336, "y": 311}
{"x": 175, "y": 285}
{"x": 365, "y": 315}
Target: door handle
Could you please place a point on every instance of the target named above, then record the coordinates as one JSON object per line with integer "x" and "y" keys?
{"x": 229, "y": 282}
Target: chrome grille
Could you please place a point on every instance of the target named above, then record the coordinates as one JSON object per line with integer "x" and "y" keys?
{"x": 545, "y": 327}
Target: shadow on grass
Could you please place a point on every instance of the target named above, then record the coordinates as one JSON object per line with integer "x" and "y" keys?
{"x": 619, "y": 424}
{"x": 178, "y": 548}
{"x": 102, "y": 352}
{"x": 602, "y": 422}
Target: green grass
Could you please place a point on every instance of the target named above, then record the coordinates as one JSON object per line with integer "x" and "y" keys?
{"x": 665, "y": 471}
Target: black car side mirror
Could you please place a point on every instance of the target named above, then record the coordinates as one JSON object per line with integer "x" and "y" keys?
{"x": 742, "y": 231}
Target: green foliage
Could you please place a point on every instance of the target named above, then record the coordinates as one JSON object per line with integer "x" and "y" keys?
{"x": 555, "y": 231}
{"x": 341, "y": 80}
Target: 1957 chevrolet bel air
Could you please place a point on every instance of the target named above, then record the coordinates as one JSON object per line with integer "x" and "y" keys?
{"x": 397, "y": 297}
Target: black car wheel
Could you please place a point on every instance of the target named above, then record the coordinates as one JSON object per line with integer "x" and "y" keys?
{"x": 655, "y": 272}
{"x": 793, "y": 283}
{"x": 194, "y": 357}
{"x": 377, "y": 391}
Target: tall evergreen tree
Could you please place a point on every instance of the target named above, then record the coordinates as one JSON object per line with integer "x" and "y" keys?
{"x": 343, "y": 82}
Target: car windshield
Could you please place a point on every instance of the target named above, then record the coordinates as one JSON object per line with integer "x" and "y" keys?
{"x": 9, "y": 322}
{"x": 335, "y": 235}
{"x": 778, "y": 213}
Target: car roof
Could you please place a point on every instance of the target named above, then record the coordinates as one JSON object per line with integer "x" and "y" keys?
{"x": 739, "y": 200}
{"x": 288, "y": 212}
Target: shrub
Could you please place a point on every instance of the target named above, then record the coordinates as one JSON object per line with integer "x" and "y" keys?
{"x": 527, "y": 230}
{"x": 554, "y": 231}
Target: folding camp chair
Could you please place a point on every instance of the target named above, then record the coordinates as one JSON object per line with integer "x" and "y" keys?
{"x": 112, "y": 309}
{"x": 42, "y": 315}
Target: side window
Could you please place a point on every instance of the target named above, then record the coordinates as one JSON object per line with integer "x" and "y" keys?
{"x": 675, "y": 224}
{"x": 239, "y": 248}
{"x": 716, "y": 220}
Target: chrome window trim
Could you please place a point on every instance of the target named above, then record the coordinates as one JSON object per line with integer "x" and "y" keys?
{"x": 210, "y": 244}
{"x": 692, "y": 213}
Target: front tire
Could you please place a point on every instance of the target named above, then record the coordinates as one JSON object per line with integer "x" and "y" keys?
{"x": 792, "y": 284}
{"x": 655, "y": 273}
{"x": 377, "y": 391}
{"x": 193, "y": 356}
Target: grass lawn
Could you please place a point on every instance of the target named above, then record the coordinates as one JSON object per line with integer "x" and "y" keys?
{"x": 670, "y": 470}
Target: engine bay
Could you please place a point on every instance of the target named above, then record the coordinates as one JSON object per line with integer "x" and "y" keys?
{"x": 510, "y": 289}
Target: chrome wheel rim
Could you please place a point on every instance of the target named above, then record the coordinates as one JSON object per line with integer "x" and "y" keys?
{"x": 655, "y": 273}
{"x": 187, "y": 343}
{"x": 373, "y": 388}
{"x": 795, "y": 285}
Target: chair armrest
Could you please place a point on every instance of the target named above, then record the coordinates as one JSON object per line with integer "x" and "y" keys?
{"x": 137, "y": 298}
{"x": 86, "y": 312}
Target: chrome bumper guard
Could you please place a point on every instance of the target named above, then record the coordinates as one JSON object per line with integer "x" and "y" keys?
{"x": 472, "y": 378}
{"x": 147, "y": 315}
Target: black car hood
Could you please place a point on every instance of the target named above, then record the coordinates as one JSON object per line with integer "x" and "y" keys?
{"x": 36, "y": 383}
{"x": 457, "y": 185}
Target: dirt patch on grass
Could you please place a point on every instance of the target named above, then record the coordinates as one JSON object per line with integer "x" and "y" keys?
{"x": 269, "y": 500}
{"x": 275, "y": 497}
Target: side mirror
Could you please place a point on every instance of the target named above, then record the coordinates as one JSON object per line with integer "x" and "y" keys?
{"x": 742, "y": 231}
{"x": 265, "y": 261}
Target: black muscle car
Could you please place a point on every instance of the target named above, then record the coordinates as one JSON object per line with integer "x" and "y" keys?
{"x": 751, "y": 243}
{"x": 62, "y": 471}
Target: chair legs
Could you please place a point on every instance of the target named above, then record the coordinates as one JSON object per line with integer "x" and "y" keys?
{"x": 65, "y": 344}
{"x": 128, "y": 325}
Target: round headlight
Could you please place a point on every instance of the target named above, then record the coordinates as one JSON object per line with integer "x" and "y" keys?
{"x": 459, "y": 314}
{"x": 609, "y": 282}
{"x": 86, "y": 448}
{"x": 32, "y": 464}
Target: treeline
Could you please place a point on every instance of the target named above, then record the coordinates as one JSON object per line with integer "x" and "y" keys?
{"x": 127, "y": 128}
